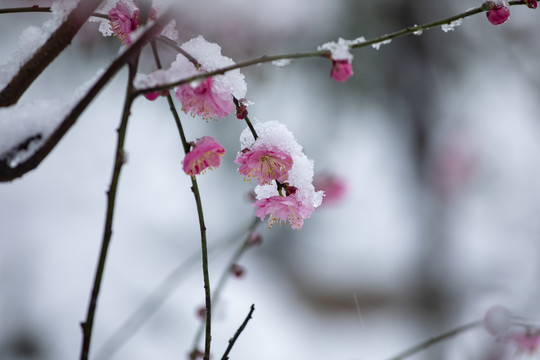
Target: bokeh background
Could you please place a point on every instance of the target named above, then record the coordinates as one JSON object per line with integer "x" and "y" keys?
{"x": 436, "y": 136}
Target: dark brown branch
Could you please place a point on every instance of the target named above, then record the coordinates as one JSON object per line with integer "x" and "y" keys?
{"x": 237, "y": 334}
{"x": 7, "y": 173}
{"x": 58, "y": 41}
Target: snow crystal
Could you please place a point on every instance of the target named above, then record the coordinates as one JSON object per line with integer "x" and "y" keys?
{"x": 276, "y": 134}
{"x": 377, "y": 46}
{"x": 26, "y": 125}
{"x": 452, "y": 25}
{"x": 340, "y": 50}
{"x": 281, "y": 62}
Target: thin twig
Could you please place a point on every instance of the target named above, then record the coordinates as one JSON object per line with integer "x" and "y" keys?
{"x": 216, "y": 295}
{"x": 202, "y": 226}
{"x": 237, "y": 333}
{"x": 434, "y": 340}
{"x": 321, "y": 53}
{"x": 87, "y": 326}
{"x": 158, "y": 297}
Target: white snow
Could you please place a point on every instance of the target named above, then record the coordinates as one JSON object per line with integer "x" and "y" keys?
{"x": 377, "y": 46}
{"x": 340, "y": 50}
{"x": 35, "y": 120}
{"x": 452, "y": 25}
{"x": 276, "y": 134}
{"x": 210, "y": 58}
{"x": 32, "y": 38}
{"x": 281, "y": 62}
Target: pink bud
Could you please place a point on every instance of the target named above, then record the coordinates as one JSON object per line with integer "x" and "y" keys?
{"x": 498, "y": 14}
{"x": 531, "y": 4}
{"x": 341, "y": 70}
{"x": 237, "y": 270}
{"x": 254, "y": 238}
{"x": 152, "y": 96}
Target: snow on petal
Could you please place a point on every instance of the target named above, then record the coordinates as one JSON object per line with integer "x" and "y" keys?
{"x": 275, "y": 135}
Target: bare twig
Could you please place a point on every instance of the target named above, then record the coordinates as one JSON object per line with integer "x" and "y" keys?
{"x": 237, "y": 334}
{"x": 87, "y": 326}
{"x": 434, "y": 340}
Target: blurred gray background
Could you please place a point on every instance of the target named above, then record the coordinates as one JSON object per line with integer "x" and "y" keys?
{"x": 437, "y": 137}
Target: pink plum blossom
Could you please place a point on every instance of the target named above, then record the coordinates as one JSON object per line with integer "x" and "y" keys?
{"x": 122, "y": 22}
{"x": 334, "y": 187}
{"x": 206, "y": 153}
{"x": 283, "y": 208}
{"x": 341, "y": 70}
{"x": 525, "y": 341}
{"x": 498, "y": 12}
{"x": 204, "y": 100}
{"x": 264, "y": 163}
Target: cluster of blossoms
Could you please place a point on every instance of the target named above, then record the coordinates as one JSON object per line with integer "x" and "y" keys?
{"x": 283, "y": 173}
{"x": 341, "y": 57}
{"x": 512, "y": 330}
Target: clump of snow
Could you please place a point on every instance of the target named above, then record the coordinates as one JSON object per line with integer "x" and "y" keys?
{"x": 26, "y": 125}
{"x": 281, "y": 62}
{"x": 377, "y": 45}
{"x": 340, "y": 50}
{"x": 452, "y": 25}
{"x": 32, "y": 38}
{"x": 209, "y": 57}
{"x": 276, "y": 134}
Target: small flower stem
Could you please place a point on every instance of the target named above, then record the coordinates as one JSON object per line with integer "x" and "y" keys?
{"x": 202, "y": 226}
{"x": 221, "y": 283}
{"x": 321, "y": 53}
{"x": 434, "y": 340}
{"x": 237, "y": 333}
{"x": 246, "y": 119}
{"x": 87, "y": 325}
{"x": 158, "y": 297}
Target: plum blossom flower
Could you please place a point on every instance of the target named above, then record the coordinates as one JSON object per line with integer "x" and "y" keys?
{"x": 212, "y": 97}
{"x": 123, "y": 19}
{"x": 206, "y": 153}
{"x": 334, "y": 187}
{"x": 283, "y": 209}
{"x": 293, "y": 200}
{"x": 498, "y": 12}
{"x": 264, "y": 163}
{"x": 341, "y": 57}
{"x": 123, "y": 22}
{"x": 204, "y": 101}
{"x": 526, "y": 341}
